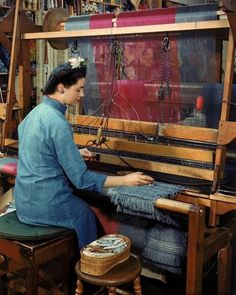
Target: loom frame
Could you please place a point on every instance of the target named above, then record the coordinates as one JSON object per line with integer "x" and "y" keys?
{"x": 194, "y": 204}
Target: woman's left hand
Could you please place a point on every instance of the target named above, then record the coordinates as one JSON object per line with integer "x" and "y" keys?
{"x": 87, "y": 155}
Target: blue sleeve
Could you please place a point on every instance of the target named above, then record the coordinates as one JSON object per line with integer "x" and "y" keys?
{"x": 71, "y": 160}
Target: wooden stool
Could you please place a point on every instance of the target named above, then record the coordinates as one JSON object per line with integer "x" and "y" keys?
{"x": 27, "y": 247}
{"x": 121, "y": 274}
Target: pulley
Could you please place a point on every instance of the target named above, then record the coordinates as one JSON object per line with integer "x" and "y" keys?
{"x": 51, "y": 23}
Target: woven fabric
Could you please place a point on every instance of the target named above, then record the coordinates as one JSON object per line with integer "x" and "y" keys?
{"x": 160, "y": 245}
{"x": 165, "y": 247}
{"x": 139, "y": 200}
{"x": 122, "y": 71}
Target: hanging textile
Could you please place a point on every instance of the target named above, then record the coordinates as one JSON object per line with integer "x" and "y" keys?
{"x": 147, "y": 77}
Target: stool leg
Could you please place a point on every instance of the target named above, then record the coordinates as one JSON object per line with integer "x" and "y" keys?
{"x": 66, "y": 264}
{"x": 3, "y": 285}
{"x": 137, "y": 286}
{"x": 111, "y": 290}
{"x": 32, "y": 281}
{"x": 80, "y": 288}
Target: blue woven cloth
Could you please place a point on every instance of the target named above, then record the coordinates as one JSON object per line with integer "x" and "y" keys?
{"x": 139, "y": 200}
{"x": 165, "y": 247}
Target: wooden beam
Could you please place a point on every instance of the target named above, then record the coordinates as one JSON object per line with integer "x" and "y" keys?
{"x": 195, "y": 249}
{"x": 232, "y": 22}
{"x": 227, "y": 132}
{"x": 191, "y": 133}
{"x": 173, "y": 169}
{"x": 147, "y": 128}
{"x": 7, "y": 125}
{"x": 174, "y": 206}
{"x": 188, "y": 133}
{"x": 228, "y": 80}
{"x": 164, "y": 28}
{"x": 184, "y": 153}
{"x": 24, "y": 79}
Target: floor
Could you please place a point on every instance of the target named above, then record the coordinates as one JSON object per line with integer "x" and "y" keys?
{"x": 174, "y": 285}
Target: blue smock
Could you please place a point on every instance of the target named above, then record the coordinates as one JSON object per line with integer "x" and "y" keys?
{"x": 48, "y": 161}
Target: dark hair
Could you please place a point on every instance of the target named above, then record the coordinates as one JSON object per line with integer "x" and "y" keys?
{"x": 64, "y": 74}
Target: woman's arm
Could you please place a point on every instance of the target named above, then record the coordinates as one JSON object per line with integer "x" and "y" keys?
{"x": 136, "y": 178}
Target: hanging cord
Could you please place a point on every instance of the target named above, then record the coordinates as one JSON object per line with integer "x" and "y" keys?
{"x": 114, "y": 70}
{"x": 1, "y": 96}
{"x": 229, "y": 102}
{"x": 164, "y": 90}
{"x": 103, "y": 127}
{"x": 122, "y": 159}
{"x": 75, "y": 50}
{"x": 46, "y": 60}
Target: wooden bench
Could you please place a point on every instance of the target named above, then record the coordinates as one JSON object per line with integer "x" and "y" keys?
{"x": 28, "y": 247}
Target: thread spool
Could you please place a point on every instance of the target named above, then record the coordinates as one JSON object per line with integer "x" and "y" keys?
{"x": 200, "y": 103}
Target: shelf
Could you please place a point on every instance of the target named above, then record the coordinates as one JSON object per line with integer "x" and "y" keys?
{"x": 106, "y": 3}
{"x": 33, "y": 73}
{"x": 25, "y": 9}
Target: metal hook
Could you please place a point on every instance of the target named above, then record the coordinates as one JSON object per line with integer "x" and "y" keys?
{"x": 75, "y": 48}
{"x": 161, "y": 93}
{"x": 166, "y": 43}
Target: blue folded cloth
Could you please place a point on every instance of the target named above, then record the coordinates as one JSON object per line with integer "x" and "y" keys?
{"x": 166, "y": 247}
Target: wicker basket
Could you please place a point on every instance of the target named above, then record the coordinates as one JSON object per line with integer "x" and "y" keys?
{"x": 98, "y": 263}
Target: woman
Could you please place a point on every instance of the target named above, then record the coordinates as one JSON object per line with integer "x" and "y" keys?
{"x": 49, "y": 161}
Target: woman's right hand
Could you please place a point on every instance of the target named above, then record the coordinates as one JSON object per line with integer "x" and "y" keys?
{"x": 131, "y": 179}
{"x": 137, "y": 178}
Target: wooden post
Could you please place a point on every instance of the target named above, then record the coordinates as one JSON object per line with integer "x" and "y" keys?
{"x": 228, "y": 79}
{"x": 25, "y": 79}
{"x": 7, "y": 125}
{"x": 196, "y": 232}
{"x": 195, "y": 251}
{"x": 224, "y": 269}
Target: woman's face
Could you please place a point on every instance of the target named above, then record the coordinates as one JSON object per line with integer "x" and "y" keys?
{"x": 73, "y": 93}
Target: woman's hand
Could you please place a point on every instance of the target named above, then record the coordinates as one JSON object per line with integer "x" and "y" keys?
{"x": 87, "y": 155}
{"x": 131, "y": 179}
{"x": 137, "y": 178}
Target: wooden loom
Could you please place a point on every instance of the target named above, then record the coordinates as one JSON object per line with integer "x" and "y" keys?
{"x": 205, "y": 238}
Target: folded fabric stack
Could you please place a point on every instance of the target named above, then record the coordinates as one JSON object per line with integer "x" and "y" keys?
{"x": 162, "y": 245}
{"x": 135, "y": 228}
{"x": 165, "y": 247}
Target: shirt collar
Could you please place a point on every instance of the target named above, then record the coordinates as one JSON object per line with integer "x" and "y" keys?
{"x": 55, "y": 104}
